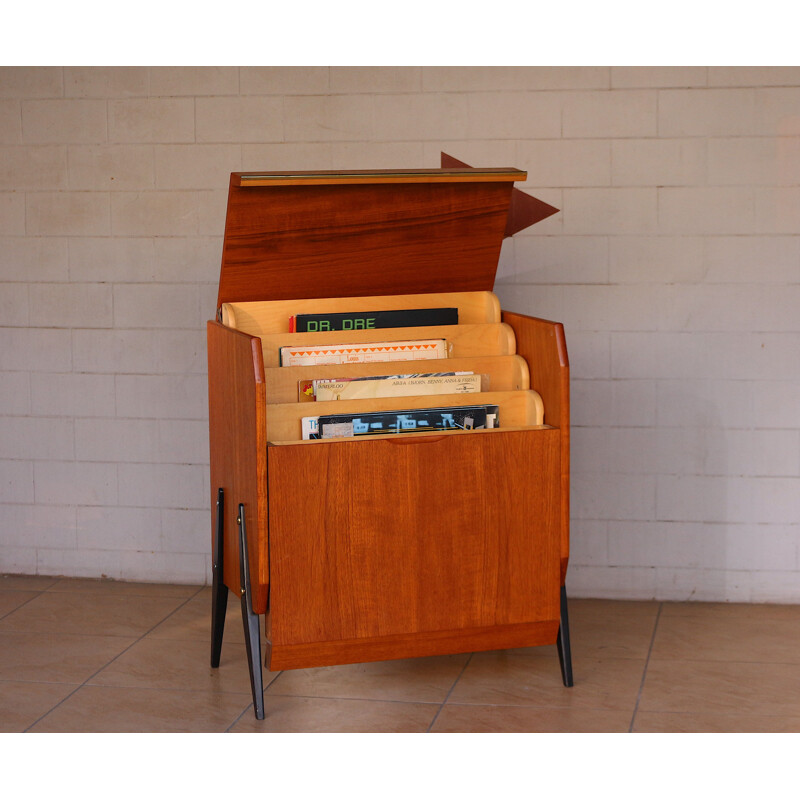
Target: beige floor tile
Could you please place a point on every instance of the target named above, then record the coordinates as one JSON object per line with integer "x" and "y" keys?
{"x": 721, "y": 637}
{"x": 109, "y": 709}
{"x": 606, "y": 629}
{"x": 31, "y": 583}
{"x": 662, "y": 722}
{"x": 324, "y": 715}
{"x": 63, "y": 658}
{"x": 503, "y": 678}
{"x": 182, "y": 665}
{"x": 581, "y": 608}
{"x": 425, "y": 680}
{"x": 514, "y": 719}
{"x": 726, "y": 611}
{"x": 92, "y": 586}
{"x": 612, "y": 637}
{"x": 9, "y": 600}
{"x": 721, "y": 687}
{"x": 603, "y": 636}
{"x": 88, "y": 614}
{"x": 23, "y": 702}
{"x": 192, "y": 621}
{"x": 715, "y": 667}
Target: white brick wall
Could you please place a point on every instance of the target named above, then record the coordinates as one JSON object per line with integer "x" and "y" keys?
{"x": 674, "y": 264}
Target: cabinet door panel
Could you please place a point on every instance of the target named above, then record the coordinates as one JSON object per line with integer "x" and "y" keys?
{"x": 407, "y": 535}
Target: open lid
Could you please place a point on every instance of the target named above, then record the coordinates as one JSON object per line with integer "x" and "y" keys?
{"x": 358, "y": 233}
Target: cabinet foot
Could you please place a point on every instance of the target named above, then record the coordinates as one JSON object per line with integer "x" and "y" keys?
{"x": 564, "y": 652}
{"x": 250, "y": 620}
{"x": 219, "y": 591}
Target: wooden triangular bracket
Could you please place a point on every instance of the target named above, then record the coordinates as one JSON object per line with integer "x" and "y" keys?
{"x": 524, "y": 209}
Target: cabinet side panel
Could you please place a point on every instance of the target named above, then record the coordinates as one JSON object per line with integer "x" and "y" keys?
{"x": 543, "y": 345}
{"x": 404, "y": 536}
{"x": 237, "y": 439}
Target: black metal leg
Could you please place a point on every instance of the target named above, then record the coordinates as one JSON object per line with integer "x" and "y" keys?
{"x": 564, "y": 653}
{"x": 251, "y": 633}
{"x": 219, "y": 591}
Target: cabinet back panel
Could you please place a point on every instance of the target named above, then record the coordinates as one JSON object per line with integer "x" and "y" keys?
{"x": 284, "y": 242}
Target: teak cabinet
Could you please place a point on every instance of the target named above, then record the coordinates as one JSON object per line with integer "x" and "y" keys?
{"x": 380, "y": 547}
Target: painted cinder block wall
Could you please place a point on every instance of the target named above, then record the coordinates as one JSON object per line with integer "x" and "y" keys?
{"x": 674, "y": 264}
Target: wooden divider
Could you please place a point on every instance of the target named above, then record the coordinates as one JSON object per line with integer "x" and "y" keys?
{"x": 516, "y": 409}
{"x": 260, "y": 318}
{"x": 488, "y": 339}
{"x": 502, "y": 373}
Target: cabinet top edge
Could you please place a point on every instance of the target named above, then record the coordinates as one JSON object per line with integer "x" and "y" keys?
{"x": 324, "y": 177}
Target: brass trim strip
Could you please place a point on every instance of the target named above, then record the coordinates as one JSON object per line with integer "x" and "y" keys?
{"x": 460, "y": 175}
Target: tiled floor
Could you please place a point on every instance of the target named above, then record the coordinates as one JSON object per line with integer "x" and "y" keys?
{"x": 82, "y": 655}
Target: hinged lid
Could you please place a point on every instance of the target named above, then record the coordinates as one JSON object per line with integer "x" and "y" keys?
{"x": 356, "y": 233}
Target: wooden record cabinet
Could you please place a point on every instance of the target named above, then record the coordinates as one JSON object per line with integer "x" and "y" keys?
{"x": 380, "y": 547}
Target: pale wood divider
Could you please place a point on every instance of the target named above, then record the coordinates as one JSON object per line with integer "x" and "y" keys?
{"x": 260, "y": 318}
{"x": 488, "y": 339}
{"x": 503, "y": 374}
{"x": 515, "y": 410}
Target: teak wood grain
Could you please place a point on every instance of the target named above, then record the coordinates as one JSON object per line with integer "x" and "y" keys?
{"x": 384, "y": 539}
{"x": 412, "y": 645}
{"x": 238, "y": 451}
{"x": 543, "y": 345}
{"x": 339, "y": 240}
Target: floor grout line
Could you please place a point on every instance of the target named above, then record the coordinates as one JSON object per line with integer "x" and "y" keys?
{"x": 108, "y": 663}
{"x": 644, "y": 671}
{"x": 447, "y": 696}
{"x": 21, "y": 605}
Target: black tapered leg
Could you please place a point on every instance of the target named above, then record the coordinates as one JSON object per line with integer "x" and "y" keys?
{"x": 564, "y": 652}
{"x": 251, "y": 633}
{"x": 219, "y": 591}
